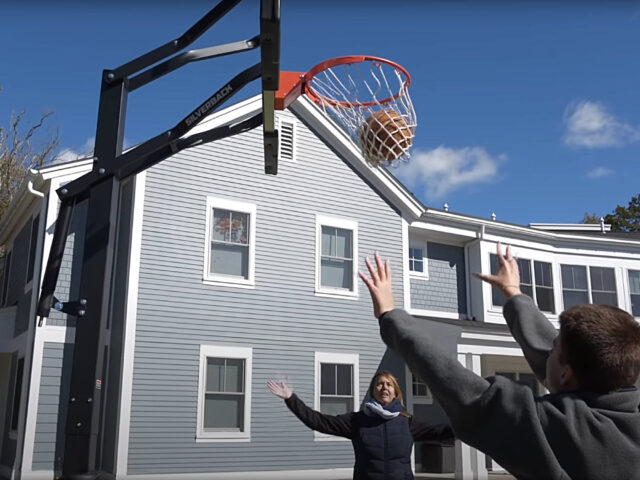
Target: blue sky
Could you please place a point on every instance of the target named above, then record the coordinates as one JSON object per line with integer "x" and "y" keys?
{"x": 527, "y": 109}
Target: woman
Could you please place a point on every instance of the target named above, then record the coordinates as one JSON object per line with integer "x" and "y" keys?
{"x": 382, "y": 433}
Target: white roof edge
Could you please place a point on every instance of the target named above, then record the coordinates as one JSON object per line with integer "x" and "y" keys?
{"x": 532, "y": 232}
{"x": 583, "y": 227}
{"x": 380, "y": 178}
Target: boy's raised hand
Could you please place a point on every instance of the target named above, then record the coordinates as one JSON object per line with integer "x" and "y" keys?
{"x": 507, "y": 278}
{"x": 379, "y": 285}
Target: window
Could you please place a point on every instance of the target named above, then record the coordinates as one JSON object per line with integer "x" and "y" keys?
{"x": 224, "y": 394}
{"x": 418, "y": 258}
{"x": 603, "y": 286}
{"x": 32, "y": 247}
{"x": 420, "y": 391}
{"x": 229, "y": 254}
{"x": 6, "y": 279}
{"x": 599, "y": 286}
{"x": 634, "y": 289}
{"x": 538, "y": 286}
{"x": 337, "y": 251}
{"x": 287, "y": 138}
{"x": 17, "y": 393}
{"x": 337, "y": 384}
{"x": 544, "y": 286}
{"x": 574, "y": 285}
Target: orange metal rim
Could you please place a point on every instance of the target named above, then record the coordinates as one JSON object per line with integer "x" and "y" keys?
{"x": 348, "y": 60}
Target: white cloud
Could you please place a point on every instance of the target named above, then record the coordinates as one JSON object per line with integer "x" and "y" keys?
{"x": 86, "y": 150}
{"x": 443, "y": 169}
{"x": 599, "y": 172}
{"x": 69, "y": 154}
{"x": 589, "y": 124}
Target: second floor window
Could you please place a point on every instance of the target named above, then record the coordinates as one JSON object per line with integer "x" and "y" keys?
{"x": 538, "y": 286}
{"x": 634, "y": 289}
{"x": 583, "y": 284}
{"x": 230, "y": 241}
{"x": 337, "y": 251}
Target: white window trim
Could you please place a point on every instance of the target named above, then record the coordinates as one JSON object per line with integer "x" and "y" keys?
{"x": 627, "y": 286}
{"x": 230, "y": 280}
{"x": 411, "y": 400}
{"x": 245, "y": 353}
{"x": 323, "y": 221}
{"x": 340, "y": 358}
{"x": 294, "y": 133}
{"x": 419, "y": 243}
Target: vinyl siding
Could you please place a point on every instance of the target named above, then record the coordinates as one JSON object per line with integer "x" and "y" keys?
{"x": 281, "y": 317}
{"x": 54, "y": 393}
{"x": 445, "y": 288}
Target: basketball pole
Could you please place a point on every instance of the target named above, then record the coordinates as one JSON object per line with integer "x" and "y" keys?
{"x": 89, "y": 449}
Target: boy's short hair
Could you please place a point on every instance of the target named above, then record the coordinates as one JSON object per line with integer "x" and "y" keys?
{"x": 602, "y": 345}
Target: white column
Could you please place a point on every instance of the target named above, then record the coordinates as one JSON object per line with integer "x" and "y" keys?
{"x": 470, "y": 463}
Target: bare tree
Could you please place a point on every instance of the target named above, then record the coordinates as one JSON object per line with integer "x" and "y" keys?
{"x": 22, "y": 148}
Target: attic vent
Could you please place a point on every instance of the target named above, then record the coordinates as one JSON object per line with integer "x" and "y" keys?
{"x": 286, "y": 140}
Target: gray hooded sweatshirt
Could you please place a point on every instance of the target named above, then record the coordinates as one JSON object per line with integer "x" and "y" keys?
{"x": 577, "y": 435}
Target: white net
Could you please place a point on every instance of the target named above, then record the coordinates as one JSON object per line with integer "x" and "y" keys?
{"x": 370, "y": 100}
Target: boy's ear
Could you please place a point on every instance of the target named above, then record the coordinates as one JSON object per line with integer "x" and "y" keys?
{"x": 568, "y": 378}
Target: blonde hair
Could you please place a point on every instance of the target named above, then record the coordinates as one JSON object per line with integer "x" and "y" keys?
{"x": 394, "y": 382}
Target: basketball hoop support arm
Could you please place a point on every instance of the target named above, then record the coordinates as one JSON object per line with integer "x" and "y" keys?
{"x": 90, "y": 444}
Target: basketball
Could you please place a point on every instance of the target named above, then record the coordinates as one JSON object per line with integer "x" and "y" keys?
{"x": 386, "y": 136}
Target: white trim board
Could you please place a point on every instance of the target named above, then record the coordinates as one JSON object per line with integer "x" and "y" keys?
{"x": 131, "y": 315}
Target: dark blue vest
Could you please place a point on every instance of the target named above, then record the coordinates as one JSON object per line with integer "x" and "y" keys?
{"x": 382, "y": 448}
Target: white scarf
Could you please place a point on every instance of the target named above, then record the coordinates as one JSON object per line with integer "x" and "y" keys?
{"x": 373, "y": 408}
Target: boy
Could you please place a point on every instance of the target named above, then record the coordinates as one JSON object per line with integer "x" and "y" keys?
{"x": 587, "y": 428}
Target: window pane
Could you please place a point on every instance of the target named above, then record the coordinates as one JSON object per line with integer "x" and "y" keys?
{"x": 224, "y": 411}
{"x": 336, "y": 273}
{"x": 416, "y": 265}
{"x": 234, "y": 377}
{"x": 573, "y": 297}
{"x": 343, "y": 243}
{"x": 605, "y": 298}
{"x": 545, "y": 300}
{"x": 32, "y": 247}
{"x": 574, "y": 276}
{"x": 327, "y": 379}
{"x": 328, "y": 241}
{"x": 603, "y": 279}
{"x": 215, "y": 374}
{"x": 221, "y": 225}
{"x": 524, "y": 266}
{"x": 634, "y": 281}
{"x": 580, "y": 277}
{"x": 229, "y": 259}
{"x": 344, "y": 379}
{"x": 543, "y": 274}
{"x": 635, "y": 305}
{"x": 7, "y": 278}
{"x": 497, "y": 298}
{"x": 336, "y": 406}
{"x": 526, "y": 289}
{"x": 239, "y": 232}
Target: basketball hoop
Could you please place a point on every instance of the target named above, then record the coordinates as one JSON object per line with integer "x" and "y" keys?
{"x": 369, "y": 97}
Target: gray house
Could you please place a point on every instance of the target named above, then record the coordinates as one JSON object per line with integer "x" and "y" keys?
{"x": 226, "y": 278}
